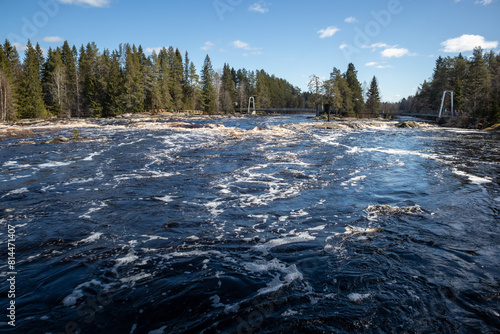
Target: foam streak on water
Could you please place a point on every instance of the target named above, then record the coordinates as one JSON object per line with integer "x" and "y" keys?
{"x": 255, "y": 224}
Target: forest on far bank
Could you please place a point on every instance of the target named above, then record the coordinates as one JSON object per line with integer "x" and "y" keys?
{"x": 87, "y": 82}
{"x": 475, "y": 83}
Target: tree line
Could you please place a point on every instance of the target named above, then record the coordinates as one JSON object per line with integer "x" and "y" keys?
{"x": 475, "y": 82}
{"x": 344, "y": 94}
{"x": 85, "y": 82}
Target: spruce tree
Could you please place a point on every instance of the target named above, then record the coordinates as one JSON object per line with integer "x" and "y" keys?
{"x": 332, "y": 92}
{"x": 373, "y": 98}
{"x": 228, "y": 89}
{"x": 208, "y": 95}
{"x": 113, "y": 99}
{"x": 69, "y": 61}
{"x": 346, "y": 101}
{"x": 478, "y": 84}
{"x": 30, "y": 94}
{"x": 176, "y": 77}
{"x": 262, "y": 91}
{"x": 134, "y": 83}
{"x": 164, "y": 79}
{"x": 356, "y": 91}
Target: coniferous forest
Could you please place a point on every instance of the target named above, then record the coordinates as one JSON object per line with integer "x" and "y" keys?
{"x": 87, "y": 82}
{"x": 475, "y": 82}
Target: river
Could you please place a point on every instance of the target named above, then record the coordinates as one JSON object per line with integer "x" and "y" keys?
{"x": 286, "y": 228}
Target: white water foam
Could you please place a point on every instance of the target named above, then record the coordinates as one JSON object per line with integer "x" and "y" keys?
{"x": 53, "y": 164}
{"x": 166, "y": 199}
{"x": 92, "y": 155}
{"x": 135, "y": 278}
{"x": 92, "y": 238}
{"x": 129, "y": 258}
{"x": 10, "y": 163}
{"x": 16, "y": 192}
{"x": 92, "y": 210}
{"x": 353, "y": 181}
{"x": 77, "y": 293}
{"x": 358, "y": 298}
{"x": 300, "y": 237}
{"x": 472, "y": 178}
{"x": 291, "y": 273}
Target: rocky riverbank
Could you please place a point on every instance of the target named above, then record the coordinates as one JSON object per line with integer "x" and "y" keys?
{"x": 181, "y": 121}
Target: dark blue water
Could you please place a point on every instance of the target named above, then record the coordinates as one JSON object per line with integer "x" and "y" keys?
{"x": 286, "y": 229}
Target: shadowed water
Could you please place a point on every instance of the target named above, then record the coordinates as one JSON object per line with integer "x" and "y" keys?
{"x": 199, "y": 231}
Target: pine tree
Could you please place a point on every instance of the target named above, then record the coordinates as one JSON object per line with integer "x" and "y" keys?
{"x": 208, "y": 95}
{"x": 30, "y": 94}
{"x": 373, "y": 98}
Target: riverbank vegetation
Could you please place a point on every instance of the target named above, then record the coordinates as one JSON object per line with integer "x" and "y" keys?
{"x": 475, "y": 82}
{"x": 68, "y": 82}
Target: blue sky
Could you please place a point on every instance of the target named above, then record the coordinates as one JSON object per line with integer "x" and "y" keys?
{"x": 398, "y": 41}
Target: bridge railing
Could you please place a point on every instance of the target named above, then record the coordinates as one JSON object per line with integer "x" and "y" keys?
{"x": 423, "y": 113}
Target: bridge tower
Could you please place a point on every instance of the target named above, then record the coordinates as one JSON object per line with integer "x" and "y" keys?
{"x": 442, "y": 102}
{"x": 251, "y": 100}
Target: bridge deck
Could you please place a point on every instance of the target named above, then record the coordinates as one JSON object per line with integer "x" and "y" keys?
{"x": 422, "y": 114}
{"x": 286, "y": 110}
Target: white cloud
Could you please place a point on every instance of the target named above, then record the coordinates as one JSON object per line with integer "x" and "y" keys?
{"x": 241, "y": 45}
{"x": 53, "y": 39}
{"x": 467, "y": 43}
{"x": 351, "y": 19}
{"x": 328, "y": 32}
{"x": 259, "y": 7}
{"x": 480, "y": 2}
{"x": 375, "y": 46}
{"x": 377, "y": 65}
{"x": 484, "y": 2}
{"x": 395, "y": 52}
{"x": 19, "y": 47}
{"x": 151, "y": 50}
{"x": 343, "y": 46}
{"x": 207, "y": 46}
{"x": 92, "y": 3}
